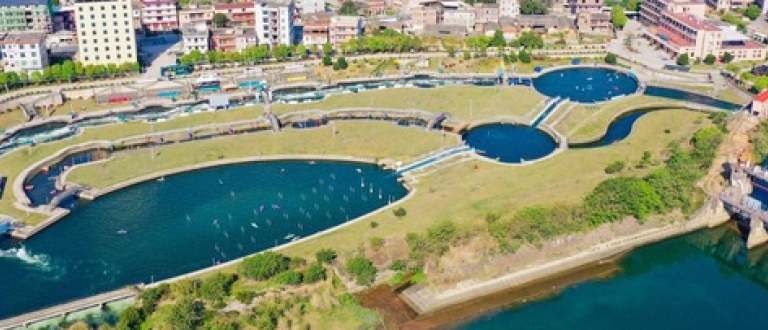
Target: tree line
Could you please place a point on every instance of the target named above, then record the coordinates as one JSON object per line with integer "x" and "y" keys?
{"x": 67, "y": 71}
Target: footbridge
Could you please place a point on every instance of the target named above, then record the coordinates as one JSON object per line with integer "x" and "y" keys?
{"x": 276, "y": 124}
{"x": 548, "y": 110}
{"x": 23, "y": 321}
{"x": 29, "y": 110}
{"x": 435, "y": 159}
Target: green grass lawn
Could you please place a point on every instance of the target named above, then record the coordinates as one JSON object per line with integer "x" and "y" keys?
{"x": 486, "y": 101}
{"x": 10, "y": 119}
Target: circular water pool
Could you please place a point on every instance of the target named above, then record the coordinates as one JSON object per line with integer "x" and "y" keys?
{"x": 510, "y": 143}
{"x": 586, "y": 85}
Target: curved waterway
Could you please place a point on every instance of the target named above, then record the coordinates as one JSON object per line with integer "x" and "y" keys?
{"x": 164, "y": 228}
{"x": 510, "y": 143}
{"x": 704, "y": 280}
{"x": 618, "y": 130}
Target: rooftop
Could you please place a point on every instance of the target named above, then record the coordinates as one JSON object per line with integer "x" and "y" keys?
{"x": 693, "y": 21}
{"x": 762, "y": 97}
{"x": 672, "y": 37}
{"x": 14, "y": 3}
{"x": 742, "y": 44}
{"x": 236, "y": 5}
{"x": 23, "y": 38}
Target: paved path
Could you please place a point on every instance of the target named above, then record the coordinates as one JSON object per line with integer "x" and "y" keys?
{"x": 63, "y": 309}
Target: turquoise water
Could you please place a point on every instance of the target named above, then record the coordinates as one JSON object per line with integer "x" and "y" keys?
{"x": 586, "y": 85}
{"x": 510, "y": 143}
{"x": 160, "y": 229}
{"x": 704, "y": 280}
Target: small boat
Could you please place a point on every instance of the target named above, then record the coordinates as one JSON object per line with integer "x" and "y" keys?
{"x": 289, "y": 236}
{"x": 161, "y": 179}
{"x": 122, "y": 232}
{"x": 254, "y": 225}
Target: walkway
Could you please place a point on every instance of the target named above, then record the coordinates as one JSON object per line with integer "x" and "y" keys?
{"x": 64, "y": 309}
{"x": 435, "y": 159}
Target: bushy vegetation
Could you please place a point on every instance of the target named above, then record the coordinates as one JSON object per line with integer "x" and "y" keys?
{"x": 264, "y": 265}
{"x": 326, "y": 256}
{"x": 362, "y": 268}
{"x": 615, "y": 167}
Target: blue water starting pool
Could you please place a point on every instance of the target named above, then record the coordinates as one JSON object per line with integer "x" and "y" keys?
{"x": 510, "y": 143}
{"x": 586, "y": 85}
{"x": 160, "y": 229}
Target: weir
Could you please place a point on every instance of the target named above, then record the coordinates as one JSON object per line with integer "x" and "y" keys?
{"x": 434, "y": 159}
{"x": 738, "y": 201}
{"x": 548, "y": 110}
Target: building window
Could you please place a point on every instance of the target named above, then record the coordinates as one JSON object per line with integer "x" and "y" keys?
{"x": 103, "y": 16}
{"x": 85, "y": 49}
{"x": 34, "y": 54}
{"x": 95, "y": 49}
{"x": 93, "y": 25}
{"x": 108, "y": 57}
{"x": 93, "y": 16}
{"x": 97, "y": 57}
{"x": 82, "y": 25}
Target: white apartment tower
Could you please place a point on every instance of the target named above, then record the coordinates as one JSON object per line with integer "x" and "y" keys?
{"x": 310, "y": 6}
{"x": 105, "y": 31}
{"x": 509, "y": 8}
{"x": 274, "y": 22}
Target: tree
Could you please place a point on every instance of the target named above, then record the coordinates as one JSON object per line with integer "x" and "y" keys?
{"x": 498, "y": 39}
{"x": 362, "y": 268}
{"x": 55, "y": 72}
{"x": 615, "y": 199}
{"x": 264, "y": 265}
{"x": 36, "y": 77}
{"x": 289, "y": 277}
{"x": 524, "y": 56}
{"x": 752, "y": 12}
{"x": 618, "y": 17}
{"x": 710, "y": 59}
{"x": 610, "y": 58}
{"x": 213, "y": 56}
{"x": 185, "y": 314}
{"x": 314, "y": 273}
{"x": 633, "y": 5}
{"x": 327, "y": 61}
{"x": 531, "y": 40}
{"x": 760, "y": 83}
{"x": 79, "y": 69}
{"x": 217, "y": 286}
{"x": 130, "y": 318}
{"x": 614, "y": 167}
{"x": 532, "y": 7}
{"x": 341, "y": 64}
{"x": 281, "y": 52}
{"x": 220, "y": 20}
{"x": 301, "y": 51}
{"x": 112, "y": 69}
{"x": 511, "y": 57}
{"x": 727, "y": 57}
{"x": 326, "y": 256}
{"x": 327, "y": 49}
{"x": 683, "y": 59}
{"x": 348, "y": 8}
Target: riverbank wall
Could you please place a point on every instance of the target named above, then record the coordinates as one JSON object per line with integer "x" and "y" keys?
{"x": 425, "y": 300}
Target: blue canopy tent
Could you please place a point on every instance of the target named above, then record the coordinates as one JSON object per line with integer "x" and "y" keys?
{"x": 576, "y": 61}
{"x": 538, "y": 69}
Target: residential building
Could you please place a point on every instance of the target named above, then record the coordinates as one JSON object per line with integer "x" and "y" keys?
{"x": 344, "y": 28}
{"x": 25, "y": 15}
{"x": 486, "y": 13}
{"x": 106, "y": 33}
{"x": 239, "y": 14}
{"x": 509, "y": 8}
{"x": 371, "y": 8}
{"x": 159, "y": 15}
{"x": 540, "y": 24}
{"x": 689, "y": 34}
{"x": 460, "y": 17}
{"x": 23, "y": 52}
{"x": 728, "y": 4}
{"x": 759, "y": 105}
{"x": 194, "y": 15}
{"x": 233, "y": 39}
{"x": 196, "y": 37}
{"x": 594, "y": 23}
{"x": 64, "y": 19}
{"x": 573, "y": 7}
{"x": 442, "y": 30}
{"x": 316, "y": 28}
{"x": 651, "y": 10}
{"x": 310, "y": 6}
{"x": 430, "y": 14}
{"x": 275, "y": 22}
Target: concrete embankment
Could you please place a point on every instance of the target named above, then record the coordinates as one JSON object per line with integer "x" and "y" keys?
{"x": 425, "y": 300}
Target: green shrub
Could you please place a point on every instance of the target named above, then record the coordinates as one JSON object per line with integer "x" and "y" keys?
{"x": 326, "y": 256}
{"x": 398, "y": 265}
{"x": 288, "y": 277}
{"x": 217, "y": 286}
{"x": 615, "y": 167}
{"x": 264, "y": 265}
{"x": 363, "y": 270}
{"x": 399, "y": 212}
{"x": 376, "y": 242}
{"x": 314, "y": 273}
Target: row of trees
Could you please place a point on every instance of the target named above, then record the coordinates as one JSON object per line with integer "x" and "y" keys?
{"x": 710, "y": 59}
{"x": 66, "y": 72}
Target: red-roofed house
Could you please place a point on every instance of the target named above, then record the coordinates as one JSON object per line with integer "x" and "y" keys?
{"x": 760, "y": 104}
{"x": 240, "y": 14}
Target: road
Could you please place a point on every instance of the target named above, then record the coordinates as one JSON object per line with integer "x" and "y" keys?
{"x": 646, "y": 53}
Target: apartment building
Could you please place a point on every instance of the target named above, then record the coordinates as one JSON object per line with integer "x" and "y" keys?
{"x": 344, "y": 28}
{"x": 509, "y": 8}
{"x": 427, "y": 14}
{"x": 679, "y": 34}
{"x": 651, "y": 10}
{"x": 195, "y": 15}
{"x": 594, "y": 23}
{"x": 105, "y": 31}
{"x": 64, "y": 19}
{"x": 196, "y": 37}
{"x": 310, "y": 6}
{"x": 728, "y": 4}
{"x": 239, "y": 14}
{"x": 460, "y": 17}
{"x": 159, "y": 15}
{"x": 574, "y": 7}
{"x": 23, "y": 52}
{"x": 25, "y": 15}
{"x": 316, "y": 28}
{"x": 275, "y": 22}
{"x": 233, "y": 39}
{"x": 486, "y": 13}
